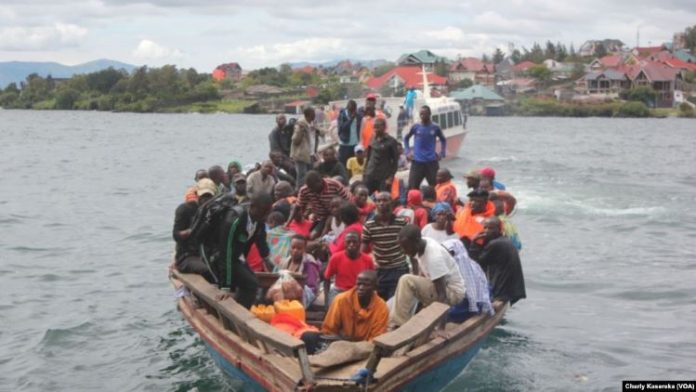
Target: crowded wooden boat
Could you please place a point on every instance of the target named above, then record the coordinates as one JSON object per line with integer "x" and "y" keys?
{"x": 331, "y": 266}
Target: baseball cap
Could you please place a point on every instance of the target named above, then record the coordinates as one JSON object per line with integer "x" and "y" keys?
{"x": 358, "y": 147}
{"x": 206, "y": 186}
{"x": 371, "y": 96}
{"x": 238, "y": 177}
{"x": 488, "y": 172}
{"x": 473, "y": 174}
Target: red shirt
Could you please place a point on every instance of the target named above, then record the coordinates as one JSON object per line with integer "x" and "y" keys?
{"x": 347, "y": 269}
{"x": 339, "y": 243}
{"x": 303, "y": 228}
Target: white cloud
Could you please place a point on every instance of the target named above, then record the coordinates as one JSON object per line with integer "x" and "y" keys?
{"x": 57, "y": 36}
{"x": 311, "y": 49}
{"x": 150, "y": 50}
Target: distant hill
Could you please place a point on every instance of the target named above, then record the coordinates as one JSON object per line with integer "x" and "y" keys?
{"x": 17, "y": 71}
{"x": 367, "y": 63}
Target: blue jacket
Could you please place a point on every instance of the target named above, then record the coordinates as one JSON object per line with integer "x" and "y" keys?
{"x": 424, "y": 142}
{"x": 344, "y": 121}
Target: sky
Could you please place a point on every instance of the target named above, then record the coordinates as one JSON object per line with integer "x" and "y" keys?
{"x": 205, "y": 33}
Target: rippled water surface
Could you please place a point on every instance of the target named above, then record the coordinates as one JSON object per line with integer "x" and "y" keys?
{"x": 607, "y": 215}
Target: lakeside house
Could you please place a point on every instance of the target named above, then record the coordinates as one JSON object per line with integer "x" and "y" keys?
{"x": 401, "y": 78}
{"x": 420, "y": 58}
{"x": 231, "y": 71}
{"x": 608, "y": 82}
{"x": 479, "y": 99}
{"x": 473, "y": 69}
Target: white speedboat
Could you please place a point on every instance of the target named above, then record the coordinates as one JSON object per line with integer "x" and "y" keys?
{"x": 446, "y": 112}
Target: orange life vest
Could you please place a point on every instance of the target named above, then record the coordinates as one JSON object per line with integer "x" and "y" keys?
{"x": 467, "y": 224}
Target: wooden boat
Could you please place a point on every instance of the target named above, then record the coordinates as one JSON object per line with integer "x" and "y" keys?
{"x": 424, "y": 354}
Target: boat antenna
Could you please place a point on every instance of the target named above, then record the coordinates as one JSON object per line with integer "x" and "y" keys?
{"x": 426, "y": 86}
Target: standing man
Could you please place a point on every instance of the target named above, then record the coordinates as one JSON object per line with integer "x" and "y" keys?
{"x": 349, "y": 124}
{"x": 370, "y": 115}
{"x": 280, "y": 138}
{"x": 220, "y": 178}
{"x": 424, "y": 159}
{"x": 226, "y": 234}
{"x": 401, "y": 122}
{"x": 382, "y": 233}
{"x": 382, "y": 159}
{"x": 304, "y": 144}
{"x": 315, "y": 198}
{"x": 409, "y": 101}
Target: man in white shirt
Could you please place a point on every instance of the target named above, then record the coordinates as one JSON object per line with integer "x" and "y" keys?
{"x": 435, "y": 277}
{"x": 261, "y": 180}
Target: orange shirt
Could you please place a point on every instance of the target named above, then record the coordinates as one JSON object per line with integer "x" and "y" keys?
{"x": 368, "y": 128}
{"x": 347, "y": 318}
{"x": 447, "y": 193}
{"x": 467, "y": 224}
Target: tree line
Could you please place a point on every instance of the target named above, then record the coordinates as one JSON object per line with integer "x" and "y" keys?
{"x": 144, "y": 90}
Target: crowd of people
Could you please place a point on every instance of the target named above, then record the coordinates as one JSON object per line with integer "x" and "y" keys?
{"x": 383, "y": 246}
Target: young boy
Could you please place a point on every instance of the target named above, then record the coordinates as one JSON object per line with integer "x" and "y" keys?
{"x": 346, "y": 265}
{"x": 301, "y": 262}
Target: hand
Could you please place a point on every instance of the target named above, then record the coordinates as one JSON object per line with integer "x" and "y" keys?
{"x": 409, "y": 156}
{"x": 223, "y": 296}
{"x": 437, "y": 156}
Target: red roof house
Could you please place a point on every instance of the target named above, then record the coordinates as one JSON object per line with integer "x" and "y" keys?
{"x": 406, "y": 76}
{"x": 523, "y": 66}
{"x": 231, "y": 71}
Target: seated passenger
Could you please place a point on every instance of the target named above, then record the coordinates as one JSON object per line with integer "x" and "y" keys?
{"x": 413, "y": 212}
{"x": 358, "y": 314}
{"x": 346, "y": 264}
{"x": 489, "y": 173}
{"x": 366, "y": 207}
{"x": 240, "y": 188}
{"x": 278, "y": 239}
{"x": 435, "y": 277}
{"x": 445, "y": 189}
{"x": 356, "y": 165}
{"x": 350, "y": 218}
{"x": 283, "y": 194}
{"x": 303, "y": 263}
{"x": 509, "y": 228}
{"x": 262, "y": 180}
{"x": 477, "y": 299}
{"x": 333, "y": 226}
{"x": 468, "y": 221}
{"x": 440, "y": 230}
{"x": 429, "y": 199}
{"x": 331, "y": 167}
{"x": 499, "y": 258}
{"x": 190, "y": 194}
{"x": 187, "y": 258}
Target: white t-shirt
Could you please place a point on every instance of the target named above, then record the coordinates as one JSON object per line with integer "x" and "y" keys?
{"x": 438, "y": 235}
{"x": 436, "y": 262}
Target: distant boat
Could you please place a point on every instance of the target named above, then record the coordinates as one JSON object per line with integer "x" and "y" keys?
{"x": 446, "y": 112}
{"x": 414, "y": 357}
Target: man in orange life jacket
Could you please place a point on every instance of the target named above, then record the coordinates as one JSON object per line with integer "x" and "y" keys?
{"x": 445, "y": 189}
{"x": 468, "y": 221}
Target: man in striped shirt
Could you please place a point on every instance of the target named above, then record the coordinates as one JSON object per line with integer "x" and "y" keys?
{"x": 383, "y": 234}
{"x": 315, "y": 198}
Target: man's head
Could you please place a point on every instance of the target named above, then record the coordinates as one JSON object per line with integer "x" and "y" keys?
{"x": 352, "y": 107}
{"x": 380, "y": 127}
{"x": 424, "y": 114}
{"x": 329, "y": 154}
{"x": 281, "y": 121}
{"x": 205, "y": 190}
{"x": 282, "y": 190}
{"x": 384, "y": 203}
{"x": 348, "y": 213}
{"x": 260, "y": 206}
{"x": 314, "y": 181}
{"x": 275, "y": 219}
{"x": 410, "y": 239}
{"x": 361, "y": 194}
{"x": 366, "y": 284}
{"x": 488, "y": 172}
{"x": 478, "y": 198}
{"x": 473, "y": 178}
{"x": 428, "y": 193}
{"x": 443, "y": 175}
{"x": 298, "y": 245}
{"x": 335, "y": 205}
{"x": 218, "y": 175}
{"x": 352, "y": 241}
{"x": 441, "y": 213}
{"x": 309, "y": 114}
{"x": 486, "y": 184}
{"x": 233, "y": 168}
{"x": 239, "y": 184}
{"x": 493, "y": 227}
{"x": 267, "y": 168}
{"x": 200, "y": 174}
{"x": 359, "y": 151}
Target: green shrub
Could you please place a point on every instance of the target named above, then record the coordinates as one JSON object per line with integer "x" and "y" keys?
{"x": 633, "y": 109}
{"x": 685, "y": 110}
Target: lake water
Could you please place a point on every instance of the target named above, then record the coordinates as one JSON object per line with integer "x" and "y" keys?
{"x": 607, "y": 215}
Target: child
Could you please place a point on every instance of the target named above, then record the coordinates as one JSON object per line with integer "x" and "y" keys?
{"x": 346, "y": 265}
{"x": 366, "y": 207}
{"x": 301, "y": 262}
